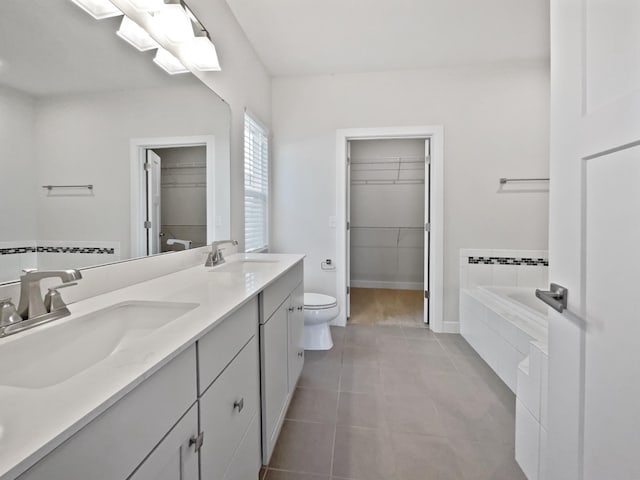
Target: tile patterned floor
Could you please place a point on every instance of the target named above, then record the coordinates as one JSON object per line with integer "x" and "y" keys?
{"x": 397, "y": 403}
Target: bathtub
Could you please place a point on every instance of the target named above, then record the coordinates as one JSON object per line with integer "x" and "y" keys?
{"x": 500, "y": 323}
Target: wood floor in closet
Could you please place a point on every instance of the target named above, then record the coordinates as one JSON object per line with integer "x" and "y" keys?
{"x": 375, "y": 306}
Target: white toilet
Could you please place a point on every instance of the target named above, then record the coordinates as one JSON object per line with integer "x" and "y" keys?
{"x": 319, "y": 310}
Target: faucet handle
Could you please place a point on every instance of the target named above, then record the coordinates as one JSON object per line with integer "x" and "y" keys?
{"x": 8, "y": 313}
{"x": 53, "y": 300}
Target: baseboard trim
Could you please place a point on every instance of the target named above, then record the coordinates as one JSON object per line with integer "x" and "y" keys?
{"x": 451, "y": 327}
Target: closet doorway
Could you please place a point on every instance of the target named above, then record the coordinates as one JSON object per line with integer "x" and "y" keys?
{"x": 388, "y": 231}
{"x": 389, "y": 223}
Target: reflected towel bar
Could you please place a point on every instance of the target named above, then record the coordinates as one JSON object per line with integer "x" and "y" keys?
{"x": 51, "y": 187}
{"x": 507, "y": 180}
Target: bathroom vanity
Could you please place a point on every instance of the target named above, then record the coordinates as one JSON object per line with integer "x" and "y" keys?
{"x": 199, "y": 391}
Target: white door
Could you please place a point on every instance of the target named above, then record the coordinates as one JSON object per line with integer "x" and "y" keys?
{"x": 427, "y": 223}
{"x": 594, "y": 359}
{"x": 154, "y": 195}
{"x": 348, "y": 266}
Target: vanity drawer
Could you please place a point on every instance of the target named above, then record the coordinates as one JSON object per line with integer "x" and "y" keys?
{"x": 226, "y": 411}
{"x": 220, "y": 345}
{"x": 276, "y": 293}
{"x": 115, "y": 443}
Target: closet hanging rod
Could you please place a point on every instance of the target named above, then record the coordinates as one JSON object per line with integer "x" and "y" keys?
{"x": 51, "y": 187}
{"x": 396, "y": 159}
{"x": 507, "y": 180}
{"x": 388, "y": 162}
{"x": 421, "y": 169}
{"x": 386, "y": 228}
{"x": 183, "y": 185}
{"x": 185, "y": 165}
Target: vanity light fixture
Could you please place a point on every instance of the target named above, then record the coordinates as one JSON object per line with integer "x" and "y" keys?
{"x": 170, "y": 64}
{"x": 98, "y": 9}
{"x": 136, "y": 36}
{"x": 175, "y": 23}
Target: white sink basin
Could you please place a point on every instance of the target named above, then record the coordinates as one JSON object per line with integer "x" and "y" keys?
{"x": 246, "y": 266}
{"x": 44, "y": 358}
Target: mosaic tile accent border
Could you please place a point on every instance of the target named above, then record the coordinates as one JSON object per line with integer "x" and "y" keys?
{"x": 534, "y": 262}
{"x": 88, "y": 250}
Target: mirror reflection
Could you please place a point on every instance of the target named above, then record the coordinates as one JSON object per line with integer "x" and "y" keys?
{"x": 105, "y": 157}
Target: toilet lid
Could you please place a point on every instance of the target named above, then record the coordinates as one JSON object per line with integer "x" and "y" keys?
{"x": 317, "y": 301}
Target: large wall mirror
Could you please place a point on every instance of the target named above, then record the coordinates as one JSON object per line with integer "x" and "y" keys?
{"x": 105, "y": 156}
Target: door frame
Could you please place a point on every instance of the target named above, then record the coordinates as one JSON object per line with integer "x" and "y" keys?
{"x": 435, "y": 134}
{"x": 138, "y": 156}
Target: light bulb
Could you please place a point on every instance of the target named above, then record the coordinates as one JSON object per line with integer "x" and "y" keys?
{"x": 174, "y": 23}
{"x": 98, "y": 9}
{"x": 147, "y": 5}
{"x": 201, "y": 52}
{"x": 137, "y": 36}
{"x": 170, "y": 64}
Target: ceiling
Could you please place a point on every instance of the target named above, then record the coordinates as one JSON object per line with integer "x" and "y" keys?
{"x": 52, "y": 47}
{"x": 302, "y": 37}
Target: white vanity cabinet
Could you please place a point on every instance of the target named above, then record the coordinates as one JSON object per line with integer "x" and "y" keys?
{"x": 281, "y": 350}
{"x": 114, "y": 444}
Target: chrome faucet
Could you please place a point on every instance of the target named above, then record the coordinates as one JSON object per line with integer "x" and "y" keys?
{"x": 215, "y": 255}
{"x": 31, "y": 302}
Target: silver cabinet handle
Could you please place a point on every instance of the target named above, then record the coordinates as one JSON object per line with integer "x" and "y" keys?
{"x": 239, "y": 405}
{"x": 291, "y": 309}
{"x": 556, "y": 298}
{"x": 300, "y": 309}
{"x": 300, "y": 354}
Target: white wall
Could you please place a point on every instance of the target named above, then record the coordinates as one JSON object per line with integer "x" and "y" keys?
{"x": 495, "y": 122}
{"x": 84, "y": 139}
{"x": 17, "y": 159}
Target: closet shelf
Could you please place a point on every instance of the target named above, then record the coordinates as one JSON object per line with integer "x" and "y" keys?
{"x": 386, "y": 228}
{"x": 184, "y": 185}
{"x": 408, "y": 181}
{"x": 183, "y": 166}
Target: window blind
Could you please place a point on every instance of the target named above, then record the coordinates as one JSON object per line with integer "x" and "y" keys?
{"x": 256, "y": 185}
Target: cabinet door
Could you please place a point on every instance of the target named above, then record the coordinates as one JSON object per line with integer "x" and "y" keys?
{"x": 296, "y": 335}
{"x": 175, "y": 457}
{"x": 226, "y": 411}
{"x": 275, "y": 379}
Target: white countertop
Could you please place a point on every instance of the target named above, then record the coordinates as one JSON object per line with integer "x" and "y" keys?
{"x": 35, "y": 421}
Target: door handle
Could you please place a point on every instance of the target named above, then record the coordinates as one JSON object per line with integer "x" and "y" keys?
{"x": 556, "y": 298}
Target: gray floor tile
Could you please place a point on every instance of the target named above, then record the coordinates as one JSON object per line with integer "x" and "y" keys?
{"x": 418, "y": 333}
{"x": 283, "y": 475}
{"x": 360, "y": 355}
{"x": 412, "y": 414}
{"x": 361, "y": 410}
{"x": 324, "y": 375}
{"x": 360, "y": 379}
{"x": 359, "y": 335}
{"x": 313, "y": 405}
{"x": 455, "y": 344}
{"x": 304, "y": 447}
{"x": 486, "y": 460}
{"x": 323, "y": 356}
{"x": 421, "y": 457}
{"x": 363, "y": 454}
{"x": 388, "y": 330}
{"x": 428, "y": 345}
{"x": 392, "y": 344}
{"x": 397, "y": 380}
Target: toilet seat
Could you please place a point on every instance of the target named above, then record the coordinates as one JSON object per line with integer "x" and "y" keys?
{"x": 318, "y": 301}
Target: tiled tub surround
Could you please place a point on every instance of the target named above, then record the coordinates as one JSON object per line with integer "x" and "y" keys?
{"x": 507, "y": 325}
{"x": 35, "y": 421}
{"x": 16, "y": 256}
{"x": 521, "y": 268}
{"x": 397, "y": 403}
